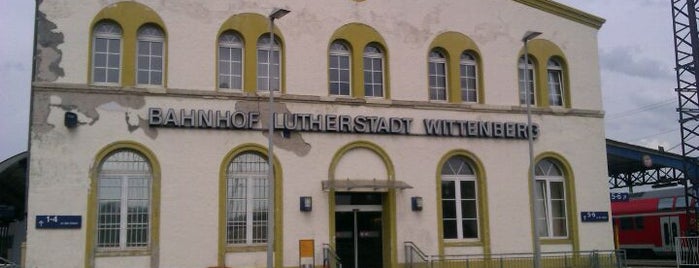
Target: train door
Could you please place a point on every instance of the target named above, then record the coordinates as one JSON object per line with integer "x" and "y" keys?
{"x": 669, "y": 229}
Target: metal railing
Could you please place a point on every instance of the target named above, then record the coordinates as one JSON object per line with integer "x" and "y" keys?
{"x": 687, "y": 251}
{"x": 330, "y": 258}
{"x": 5, "y": 263}
{"x": 415, "y": 258}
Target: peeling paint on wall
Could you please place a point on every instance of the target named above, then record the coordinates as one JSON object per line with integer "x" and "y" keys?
{"x": 86, "y": 106}
{"x": 295, "y": 143}
{"x": 48, "y": 56}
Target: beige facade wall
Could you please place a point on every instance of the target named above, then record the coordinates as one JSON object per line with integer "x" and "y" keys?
{"x": 190, "y": 160}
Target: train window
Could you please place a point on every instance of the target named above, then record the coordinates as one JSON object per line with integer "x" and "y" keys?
{"x": 680, "y": 202}
{"x": 626, "y": 223}
{"x": 638, "y": 222}
{"x": 665, "y": 204}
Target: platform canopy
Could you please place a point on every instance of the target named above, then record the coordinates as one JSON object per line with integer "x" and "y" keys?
{"x": 13, "y": 174}
{"x": 631, "y": 165}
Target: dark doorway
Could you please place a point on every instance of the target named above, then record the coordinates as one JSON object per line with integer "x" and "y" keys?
{"x": 358, "y": 230}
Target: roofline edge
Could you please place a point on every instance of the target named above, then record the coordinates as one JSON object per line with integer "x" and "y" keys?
{"x": 565, "y": 11}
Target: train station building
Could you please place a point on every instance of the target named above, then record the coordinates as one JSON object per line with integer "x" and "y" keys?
{"x": 394, "y": 122}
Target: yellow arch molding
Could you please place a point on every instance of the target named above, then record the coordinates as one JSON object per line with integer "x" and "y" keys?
{"x": 358, "y": 36}
{"x": 250, "y": 26}
{"x": 542, "y": 51}
{"x": 572, "y": 213}
{"x": 91, "y": 221}
{"x": 390, "y": 256}
{"x": 278, "y": 207}
{"x": 483, "y": 216}
{"x": 453, "y": 44}
{"x": 130, "y": 16}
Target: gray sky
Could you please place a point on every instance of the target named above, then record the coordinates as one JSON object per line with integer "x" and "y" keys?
{"x": 636, "y": 60}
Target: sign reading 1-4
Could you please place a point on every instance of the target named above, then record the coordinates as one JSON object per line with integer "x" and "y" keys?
{"x": 594, "y": 216}
{"x": 58, "y": 222}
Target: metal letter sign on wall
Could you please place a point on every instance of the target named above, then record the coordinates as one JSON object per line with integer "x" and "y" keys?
{"x": 594, "y": 216}
{"x": 58, "y": 222}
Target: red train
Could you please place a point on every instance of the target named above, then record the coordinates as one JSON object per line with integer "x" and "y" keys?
{"x": 649, "y": 222}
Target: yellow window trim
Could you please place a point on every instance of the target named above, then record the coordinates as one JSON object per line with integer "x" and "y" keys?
{"x": 483, "y": 215}
{"x": 223, "y": 248}
{"x": 357, "y": 36}
{"x": 130, "y": 16}
{"x": 453, "y": 44}
{"x": 573, "y": 238}
{"x": 540, "y": 52}
{"x": 250, "y": 27}
{"x": 390, "y": 254}
{"x": 91, "y": 222}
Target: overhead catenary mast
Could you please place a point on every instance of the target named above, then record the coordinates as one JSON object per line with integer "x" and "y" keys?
{"x": 686, "y": 37}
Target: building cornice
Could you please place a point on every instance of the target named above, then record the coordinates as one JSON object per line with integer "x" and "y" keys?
{"x": 322, "y": 100}
{"x": 564, "y": 11}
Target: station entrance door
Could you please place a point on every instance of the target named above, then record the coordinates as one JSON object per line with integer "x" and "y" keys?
{"x": 359, "y": 229}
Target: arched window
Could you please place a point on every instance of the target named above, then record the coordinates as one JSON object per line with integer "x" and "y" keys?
{"x": 555, "y": 82}
{"x": 106, "y": 53}
{"x": 339, "y": 69}
{"x": 469, "y": 80}
{"x": 438, "y": 75}
{"x": 459, "y": 199}
{"x": 149, "y": 67}
{"x": 268, "y": 69}
{"x": 373, "y": 71}
{"x": 551, "y": 200}
{"x": 230, "y": 61}
{"x": 124, "y": 201}
{"x": 247, "y": 187}
{"x": 529, "y": 70}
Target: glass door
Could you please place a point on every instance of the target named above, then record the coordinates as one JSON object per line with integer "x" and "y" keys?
{"x": 358, "y": 230}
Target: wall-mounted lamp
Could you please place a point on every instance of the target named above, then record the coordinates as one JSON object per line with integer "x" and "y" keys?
{"x": 70, "y": 120}
{"x": 416, "y": 203}
{"x": 306, "y": 204}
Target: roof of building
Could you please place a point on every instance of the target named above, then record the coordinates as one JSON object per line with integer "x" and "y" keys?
{"x": 565, "y": 11}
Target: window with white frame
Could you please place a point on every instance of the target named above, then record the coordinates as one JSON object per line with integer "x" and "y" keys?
{"x": 339, "y": 69}
{"x": 526, "y": 71}
{"x": 373, "y": 71}
{"x": 124, "y": 201}
{"x": 246, "y": 200}
{"x": 555, "y": 82}
{"x": 469, "y": 82}
{"x": 230, "y": 61}
{"x": 106, "y": 53}
{"x": 459, "y": 200}
{"x": 149, "y": 66}
{"x": 268, "y": 70}
{"x": 438, "y": 75}
{"x": 551, "y": 200}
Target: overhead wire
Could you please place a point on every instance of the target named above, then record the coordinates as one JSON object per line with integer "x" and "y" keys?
{"x": 644, "y": 108}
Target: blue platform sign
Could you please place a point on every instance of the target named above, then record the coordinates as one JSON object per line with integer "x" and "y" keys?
{"x": 58, "y": 222}
{"x": 594, "y": 216}
{"x": 619, "y": 197}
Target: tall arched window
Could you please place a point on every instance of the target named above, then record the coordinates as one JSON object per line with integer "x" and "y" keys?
{"x": 124, "y": 201}
{"x": 230, "y": 61}
{"x": 530, "y": 79}
{"x": 339, "y": 69}
{"x": 555, "y": 82}
{"x": 551, "y": 199}
{"x": 150, "y": 55}
{"x": 469, "y": 80}
{"x": 438, "y": 75}
{"x": 459, "y": 199}
{"x": 247, "y": 189}
{"x": 106, "y": 53}
{"x": 373, "y": 71}
{"x": 268, "y": 69}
